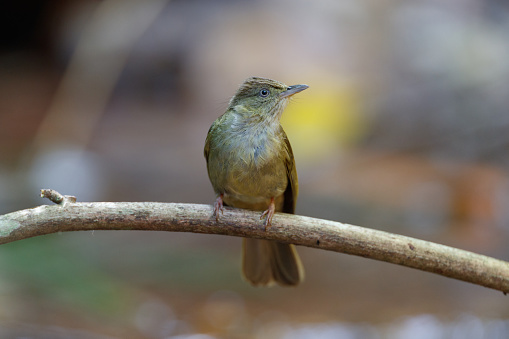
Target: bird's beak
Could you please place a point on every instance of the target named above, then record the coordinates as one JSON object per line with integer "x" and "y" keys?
{"x": 291, "y": 90}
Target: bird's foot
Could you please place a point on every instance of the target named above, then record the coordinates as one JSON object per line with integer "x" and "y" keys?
{"x": 268, "y": 214}
{"x": 218, "y": 207}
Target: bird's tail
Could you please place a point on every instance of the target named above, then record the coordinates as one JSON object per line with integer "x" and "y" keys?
{"x": 266, "y": 262}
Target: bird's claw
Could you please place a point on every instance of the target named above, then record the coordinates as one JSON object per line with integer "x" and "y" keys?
{"x": 218, "y": 207}
{"x": 268, "y": 214}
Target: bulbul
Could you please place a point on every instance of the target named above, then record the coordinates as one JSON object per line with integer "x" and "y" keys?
{"x": 251, "y": 165}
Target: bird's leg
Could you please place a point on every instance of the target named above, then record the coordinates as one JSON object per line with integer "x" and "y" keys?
{"x": 218, "y": 206}
{"x": 269, "y": 213}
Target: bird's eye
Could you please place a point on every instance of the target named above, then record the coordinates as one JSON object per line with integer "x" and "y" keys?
{"x": 264, "y": 92}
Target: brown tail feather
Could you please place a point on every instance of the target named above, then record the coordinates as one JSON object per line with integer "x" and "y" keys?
{"x": 267, "y": 262}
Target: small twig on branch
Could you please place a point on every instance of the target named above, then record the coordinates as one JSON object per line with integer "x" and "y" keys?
{"x": 295, "y": 229}
{"x": 56, "y": 197}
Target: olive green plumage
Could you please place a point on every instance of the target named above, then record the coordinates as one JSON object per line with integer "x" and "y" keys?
{"x": 250, "y": 165}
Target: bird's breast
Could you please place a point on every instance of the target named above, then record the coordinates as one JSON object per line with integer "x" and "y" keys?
{"x": 249, "y": 168}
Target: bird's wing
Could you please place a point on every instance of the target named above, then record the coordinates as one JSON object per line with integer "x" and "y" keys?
{"x": 292, "y": 190}
{"x": 206, "y": 149}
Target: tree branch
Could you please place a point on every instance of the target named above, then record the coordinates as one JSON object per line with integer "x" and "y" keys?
{"x": 305, "y": 231}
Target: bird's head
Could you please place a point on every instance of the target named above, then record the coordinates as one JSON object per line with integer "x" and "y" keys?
{"x": 263, "y": 97}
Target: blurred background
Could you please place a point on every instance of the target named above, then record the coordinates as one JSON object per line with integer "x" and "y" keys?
{"x": 404, "y": 129}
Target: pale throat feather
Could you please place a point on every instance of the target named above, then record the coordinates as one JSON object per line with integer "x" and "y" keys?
{"x": 258, "y": 134}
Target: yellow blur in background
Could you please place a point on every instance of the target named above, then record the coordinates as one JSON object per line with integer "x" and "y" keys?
{"x": 324, "y": 120}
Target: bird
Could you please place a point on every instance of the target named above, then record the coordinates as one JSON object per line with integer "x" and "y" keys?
{"x": 250, "y": 165}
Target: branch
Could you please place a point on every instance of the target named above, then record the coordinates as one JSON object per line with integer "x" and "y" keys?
{"x": 305, "y": 231}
